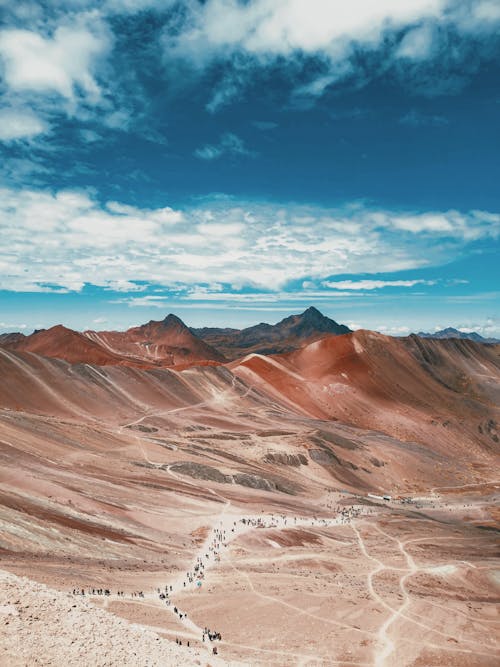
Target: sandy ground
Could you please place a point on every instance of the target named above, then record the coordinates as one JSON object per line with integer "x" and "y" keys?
{"x": 358, "y": 586}
{"x": 131, "y": 481}
{"x": 42, "y": 626}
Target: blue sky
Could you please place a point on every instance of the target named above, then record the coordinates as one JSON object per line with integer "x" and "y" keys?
{"x": 234, "y": 162}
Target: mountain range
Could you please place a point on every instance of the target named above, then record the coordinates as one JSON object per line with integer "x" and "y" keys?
{"x": 122, "y": 455}
{"x": 285, "y": 336}
{"x": 170, "y": 343}
{"x": 450, "y": 332}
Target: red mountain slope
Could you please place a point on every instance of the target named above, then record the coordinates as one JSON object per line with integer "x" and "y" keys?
{"x": 63, "y": 343}
{"x": 442, "y": 393}
{"x": 165, "y": 343}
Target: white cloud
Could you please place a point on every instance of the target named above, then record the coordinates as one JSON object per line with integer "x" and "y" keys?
{"x": 62, "y": 63}
{"x": 20, "y": 124}
{"x": 90, "y": 136}
{"x": 488, "y": 327}
{"x": 304, "y": 95}
{"x": 451, "y": 224}
{"x": 246, "y": 36}
{"x": 417, "y": 44}
{"x": 280, "y": 27}
{"x": 373, "y": 284}
{"x": 200, "y": 293}
{"x": 117, "y": 120}
{"x": 9, "y": 326}
{"x": 64, "y": 240}
{"x": 228, "y": 89}
{"x": 391, "y": 330}
{"x": 228, "y": 144}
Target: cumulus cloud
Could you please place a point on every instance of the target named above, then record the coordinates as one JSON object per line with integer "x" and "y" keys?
{"x": 65, "y": 240}
{"x": 487, "y": 328}
{"x": 55, "y": 57}
{"x": 228, "y": 144}
{"x": 280, "y": 27}
{"x": 20, "y": 124}
{"x": 331, "y": 33}
{"x": 59, "y": 49}
{"x": 60, "y": 63}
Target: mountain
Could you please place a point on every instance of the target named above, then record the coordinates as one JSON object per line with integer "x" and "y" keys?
{"x": 124, "y": 477}
{"x": 288, "y": 335}
{"x": 434, "y": 392}
{"x": 62, "y": 343}
{"x": 450, "y": 332}
{"x": 345, "y": 404}
{"x": 11, "y": 338}
{"x": 165, "y": 343}
{"x": 168, "y": 342}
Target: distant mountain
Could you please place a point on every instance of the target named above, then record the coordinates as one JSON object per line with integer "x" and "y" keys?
{"x": 165, "y": 343}
{"x": 11, "y": 338}
{"x": 168, "y": 342}
{"x": 356, "y": 379}
{"x": 450, "y": 332}
{"x": 61, "y": 343}
{"x": 288, "y": 335}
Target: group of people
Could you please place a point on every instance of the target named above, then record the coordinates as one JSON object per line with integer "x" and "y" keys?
{"x": 106, "y": 592}
{"x": 347, "y": 514}
{"x": 211, "y": 553}
{"x": 212, "y": 636}
{"x": 213, "y": 545}
{"x": 179, "y": 642}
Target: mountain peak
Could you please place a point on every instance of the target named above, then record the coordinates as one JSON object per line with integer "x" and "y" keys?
{"x": 169, "y": 323}
{"x": 450, "y": 332}
{"x": 312, "y": 313}
{"x": 172, "y": 320}
{"x": 311, "y": 321}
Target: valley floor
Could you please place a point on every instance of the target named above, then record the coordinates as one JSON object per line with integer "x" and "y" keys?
{"x": 264, "y": 523}
{"x": 351, "y": 584}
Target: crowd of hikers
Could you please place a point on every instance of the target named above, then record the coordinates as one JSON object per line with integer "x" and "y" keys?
{"x": 211, "y": 553}
{"x": 106, "y": 592}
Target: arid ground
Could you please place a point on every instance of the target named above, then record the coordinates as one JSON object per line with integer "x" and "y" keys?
{"x": 253, "y": 490}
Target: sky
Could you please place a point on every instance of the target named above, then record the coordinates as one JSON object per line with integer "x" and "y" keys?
{"x": 236, "y": 161}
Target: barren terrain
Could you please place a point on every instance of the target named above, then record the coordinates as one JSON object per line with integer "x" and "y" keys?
{"x": 248, "y": 499}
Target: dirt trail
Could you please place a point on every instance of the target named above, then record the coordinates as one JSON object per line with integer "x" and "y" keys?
{"x": 387, "y": 645}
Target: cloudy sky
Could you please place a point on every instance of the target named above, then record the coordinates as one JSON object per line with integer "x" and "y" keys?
{"x": 236, "y": 161}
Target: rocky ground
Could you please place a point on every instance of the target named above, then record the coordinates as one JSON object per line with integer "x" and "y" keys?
{"x": 43, "y": 626}
{"x": 120, "y": 479}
